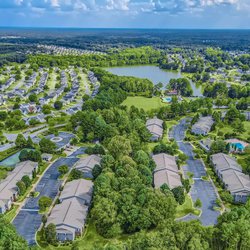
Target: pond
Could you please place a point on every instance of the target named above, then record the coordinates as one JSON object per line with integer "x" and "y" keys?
{"x": 12, "y": 160}
{"x": 153, "y": 73}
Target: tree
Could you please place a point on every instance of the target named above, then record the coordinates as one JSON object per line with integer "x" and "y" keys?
{"x": 21, "y": 187}
{"x": 9, "y": 238}
{"x": 44, "y": 202}
{"x": 27, "y": 181}
{"x": 64, "y": 169}
{"x": 29, "y": 142}
{"x": 33, "y": 98}
{"x": 20, "y": 141}
{"x": 218, "y": 146}
{"x": 198, "y": 203}
{"x": 75, "y": 174}
{"x": 47, "y": 146}
{"x": 32, "y": 155}
{"x": 58, "y": 105}
{"x": 186, "y": 185}
{"x": 96, "y": 171}
{"x": 44, "y": 219}
{"x": 3, "y": 115}
{"x": 179, "y": 194}
{"x": 119, "y": 146}
{"x": 50, "y": 234}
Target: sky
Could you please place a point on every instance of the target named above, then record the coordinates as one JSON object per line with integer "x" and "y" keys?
{"x": 200, "y": 14}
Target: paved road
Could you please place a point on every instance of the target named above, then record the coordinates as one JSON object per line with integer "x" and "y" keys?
{"x": 204, "y": 190}
{"x": 28, "y": 219}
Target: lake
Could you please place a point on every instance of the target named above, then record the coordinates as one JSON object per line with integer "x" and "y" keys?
{"x": 153, "y": 73}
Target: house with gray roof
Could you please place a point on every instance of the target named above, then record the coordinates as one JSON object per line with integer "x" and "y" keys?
{"x": 230, "y": 173}
{"x": 8, "y": 188}
{"x": 81, "y": 189}
{"x": 155, "y": 127}
{"x": 203, "y": 125}
{"x": 69, "y": 217}
{"x": 166, "y": 171}
{"x": 86, "y": 165}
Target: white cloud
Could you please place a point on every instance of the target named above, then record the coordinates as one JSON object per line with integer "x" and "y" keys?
{"x": 118, "y": 4}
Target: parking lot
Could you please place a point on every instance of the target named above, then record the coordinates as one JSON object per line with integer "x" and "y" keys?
{"x": 204, "y": 190}
{"x": 28, "y": 219}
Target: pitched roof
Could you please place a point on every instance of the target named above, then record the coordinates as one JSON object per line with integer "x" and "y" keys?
{"x": 154, "y": 121}
{"x": 203, "y": 124}
{"x": 8, "y": 185}
{"x": 172, "y": 179}
{"x": 88, "y": 162}
{"x": 236, "y": 182}
{"x": 165, "y": 161}
{"x": 166, "y": 171}
{"x": 81, "y": 189}
{"x": 223, "y": 162}
{"x": 71, "y": 214}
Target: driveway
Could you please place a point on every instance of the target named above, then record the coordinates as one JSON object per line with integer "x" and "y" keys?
{"x": 28, "y": 219}
{"x": 204, "y": 190}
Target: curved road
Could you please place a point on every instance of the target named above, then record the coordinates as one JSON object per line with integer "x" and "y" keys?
{"x": 204, "y": 190}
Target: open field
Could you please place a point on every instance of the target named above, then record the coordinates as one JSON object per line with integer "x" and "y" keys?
{"x": 143, "y": 102}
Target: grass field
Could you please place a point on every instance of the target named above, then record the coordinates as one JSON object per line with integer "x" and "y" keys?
{"x": 186, "y": 208}
{"x": 144, "y": 102}
{"x": 243, "y": 136}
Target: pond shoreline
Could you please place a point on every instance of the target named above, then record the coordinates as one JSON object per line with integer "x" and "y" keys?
{"x": 153, "y": 73}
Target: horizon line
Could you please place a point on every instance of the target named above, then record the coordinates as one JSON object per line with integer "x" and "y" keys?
{"x": 120, "y": 28}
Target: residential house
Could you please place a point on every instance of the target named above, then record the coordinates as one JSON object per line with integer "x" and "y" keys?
{"x": 203, "y": 125}
{"x": 155, "y": 127}
{"x": 81, "y": 189}
{"x": 86, "y": 165}
{"x": 70, "y": 215}
{"x": 166, "y": 171}
{"x": 230, "y": 173}
{"x": 8, "y": 188}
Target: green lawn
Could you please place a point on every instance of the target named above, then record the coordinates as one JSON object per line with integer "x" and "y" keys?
{"x": 186, "y": 208}
{"x": 243, "y": 136}
{"x": 3, "y": 173}
{"x": 11, "y": 214}
{"x": 144, "y": 102}
{"x": 90, "y": 240}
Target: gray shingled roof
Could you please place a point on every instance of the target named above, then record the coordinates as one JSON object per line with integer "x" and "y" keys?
{"x": 70, "y": 215}
{"x": 155, "y": 126}
{"x": 81, "y": 189}
{"x": 204, "y": 124}
{"x": 223, "y": 162}
{"x": 154, "y": 121}
{"x": 8, "y": 186}
{"x": 236, "y": 182}
{"x": 88, "y": 162}
{"x": 166, "y": 171}
{"x": 165, "y": 161}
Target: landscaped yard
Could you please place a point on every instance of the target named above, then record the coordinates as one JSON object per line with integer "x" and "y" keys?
{"x": 11, "y": 214}
{"x": 144, "y": 102}
{"x": 3, "y": 173}
{"x": 90, "y": 240}
{"x": 186, "y": 208}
